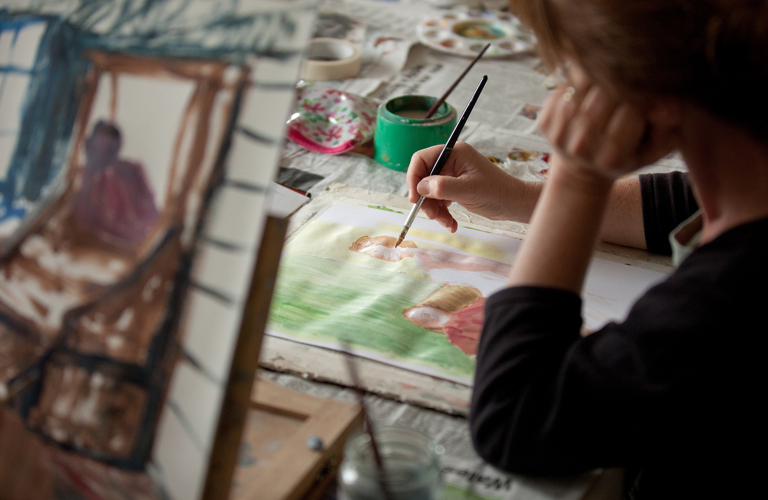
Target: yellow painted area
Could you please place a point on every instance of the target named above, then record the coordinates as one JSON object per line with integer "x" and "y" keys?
{"x": 388, "y": 227}
{"x": 471, "y": 246}
{"x": 332, "y": 241}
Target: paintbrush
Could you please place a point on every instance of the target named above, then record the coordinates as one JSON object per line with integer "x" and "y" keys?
{"x": 438, "y": 166}
{"x": 352, "y": 369}
{"x": 461, "y": 77}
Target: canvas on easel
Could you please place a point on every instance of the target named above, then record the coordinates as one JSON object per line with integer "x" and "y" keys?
{"x": 137, "y": 143}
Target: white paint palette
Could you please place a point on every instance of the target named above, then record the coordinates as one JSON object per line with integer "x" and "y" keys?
{"x": 465, "y": 33}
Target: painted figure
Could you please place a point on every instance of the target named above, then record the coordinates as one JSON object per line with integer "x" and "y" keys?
{"x": 455, "y": 310}
{"x": 115, "y": 203}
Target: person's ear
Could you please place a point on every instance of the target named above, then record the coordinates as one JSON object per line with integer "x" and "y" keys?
{"x": 665, "y": 114}
{"x": 663, "y": 134}
{"x": 665, "y": 119}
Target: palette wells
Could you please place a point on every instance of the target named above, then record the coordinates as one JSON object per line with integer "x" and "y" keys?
{"x": 465, "y": 33}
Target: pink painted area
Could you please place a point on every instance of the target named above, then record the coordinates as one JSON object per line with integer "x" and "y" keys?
{"x": 463, "y": 328}
{"x": 382, "y": 247}
{"x": 441, "y": 259}
{"x": 115, "y": 202}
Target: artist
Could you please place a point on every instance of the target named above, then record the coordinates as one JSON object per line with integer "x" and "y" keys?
{"x": 671, "y": 395}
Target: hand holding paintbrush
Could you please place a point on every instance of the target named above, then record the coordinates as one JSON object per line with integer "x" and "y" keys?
{"x": 438, "y": 166}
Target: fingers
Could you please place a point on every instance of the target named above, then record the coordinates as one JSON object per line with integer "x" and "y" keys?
{"x": 579, "y": 79}
{"x": 439, "y": 190}
{"x": 591, "y": 129}
{"x": 555, "y": 117}
{"x": 442, "y": 187}
{"x": 419, "y": 184}
{"x": 468, "y": 178}
{"x": 463, "y": 159}
{"x": 595, "y": 113}
{"x": 437, "y": 210}
{"x": 419, "y": 167}
{"x": 436, "y": 206}
{"x": 562, "y": 104}
{"x": 623, "y": 138}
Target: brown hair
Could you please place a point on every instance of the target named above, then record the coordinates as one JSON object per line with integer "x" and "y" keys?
{"x": 712, "y": 52}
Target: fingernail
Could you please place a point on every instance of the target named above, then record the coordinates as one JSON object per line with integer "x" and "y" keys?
{"x": 423, "y": 188}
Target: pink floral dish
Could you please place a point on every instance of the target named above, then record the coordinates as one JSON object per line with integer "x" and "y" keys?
{"x": 331, "y": 121}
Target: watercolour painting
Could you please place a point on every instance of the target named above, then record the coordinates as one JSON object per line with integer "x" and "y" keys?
{"x": 137, "y": 143}
{"x": 418, "y": 306}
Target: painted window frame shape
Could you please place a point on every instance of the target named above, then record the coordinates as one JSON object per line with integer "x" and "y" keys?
{"x": 37, "y": 154}
{"x": 186, "y": 192}
{"x": 11, "y": 31}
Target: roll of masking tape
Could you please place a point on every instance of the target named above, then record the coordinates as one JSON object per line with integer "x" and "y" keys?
{"x": 331, "y": 59}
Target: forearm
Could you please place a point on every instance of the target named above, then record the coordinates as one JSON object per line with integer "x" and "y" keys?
{"x": 623, "y": 219}
{"x": 564, "y": 228}
{"x": 481, "y": 187}
{"x": 525, "y": 333}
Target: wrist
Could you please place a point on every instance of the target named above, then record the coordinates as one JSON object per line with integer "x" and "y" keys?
{"x": 579, "y": 179}
{"x": 563, "y": 230}
{"x": 528, "y": 194}
{"x": 515, "y": 198}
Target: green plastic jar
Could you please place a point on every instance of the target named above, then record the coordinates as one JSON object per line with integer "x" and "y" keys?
{"x": 400, "y": 131}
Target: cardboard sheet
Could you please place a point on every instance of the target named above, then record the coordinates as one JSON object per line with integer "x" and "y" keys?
{"x": 419, "y": 306}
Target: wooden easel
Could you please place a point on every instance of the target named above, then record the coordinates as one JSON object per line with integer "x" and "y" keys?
{"x": 280, "y": 415}
{"x": 270, "y": 423}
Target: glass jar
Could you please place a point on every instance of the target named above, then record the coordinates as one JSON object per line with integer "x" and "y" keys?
{"x": 411, "y": 465}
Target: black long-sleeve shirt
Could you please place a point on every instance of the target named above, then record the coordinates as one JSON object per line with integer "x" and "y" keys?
{"x": 673, "y": 391}
{"x": 667, "y": 201}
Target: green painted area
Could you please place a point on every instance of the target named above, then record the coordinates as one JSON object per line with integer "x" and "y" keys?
{"x": 386, "y": 209}
{"x": 476, "y": 229}
{"x": 324, "y": 300}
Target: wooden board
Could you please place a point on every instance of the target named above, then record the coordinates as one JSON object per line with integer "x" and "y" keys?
{"x": 327, "y": 365}
{"x": 262, "y": 434}
{"x": 387, "y": 380}
{"x": 237, "y": 398}
{"x": 275, "y": 462}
